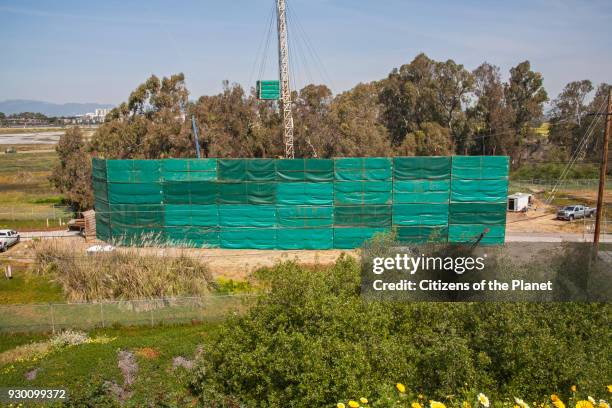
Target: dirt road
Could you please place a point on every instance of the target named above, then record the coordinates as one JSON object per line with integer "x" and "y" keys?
{"x": 239, "y": 263}
{"x": 48, "y": 138}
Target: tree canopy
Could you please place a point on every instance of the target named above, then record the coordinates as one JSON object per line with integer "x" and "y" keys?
{"x": 425, "y": 107}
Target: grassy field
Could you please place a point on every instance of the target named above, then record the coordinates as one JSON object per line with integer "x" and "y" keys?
{"x": 27, "y": 198}
{"x": 81, "y": 369}
{"x": 8, "y": 131}
{"x": 26, "y": 287}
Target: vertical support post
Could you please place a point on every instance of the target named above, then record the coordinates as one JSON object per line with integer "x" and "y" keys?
{"x": 102, "y": 315}
{"x": 195, "y": 135}
{"x": 602, "y": 173}
{"x": 283, "y": 69}
{"x": 52, "y": 318}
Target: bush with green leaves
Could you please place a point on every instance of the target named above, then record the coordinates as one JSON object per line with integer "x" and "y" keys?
{"x": 312, "y": 341}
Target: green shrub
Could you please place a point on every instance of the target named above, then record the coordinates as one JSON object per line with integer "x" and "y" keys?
{"x": 552, "y": 171}
{"x": 311, "y": 341}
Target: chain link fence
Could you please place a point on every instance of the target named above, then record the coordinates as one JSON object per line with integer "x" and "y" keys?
{"x": 35, "y": 212}
{"x": 58, "y": 316}
{"x": 548, "y": 184}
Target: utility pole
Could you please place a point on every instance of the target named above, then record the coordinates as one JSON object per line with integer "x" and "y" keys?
{"x": 195, "y": 135}
{"x": 283, "y": 69}
{"x": 602, "y": 173}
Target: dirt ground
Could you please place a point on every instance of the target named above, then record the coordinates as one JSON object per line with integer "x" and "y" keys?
{"x": 541, "y": 218}
{"x": 235, "y": 264}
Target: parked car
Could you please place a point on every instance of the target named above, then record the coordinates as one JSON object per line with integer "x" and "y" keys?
{"x": 574, "y": 212}
{"x": 8, "y": 238}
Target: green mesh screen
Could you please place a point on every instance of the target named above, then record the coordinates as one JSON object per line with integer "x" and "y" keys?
{"x": 301, "y": 203}
{"x": 479, "y": 191}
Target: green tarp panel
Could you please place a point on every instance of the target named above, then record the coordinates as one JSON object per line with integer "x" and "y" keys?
{"x": 103, "y": 229}
{"x": 479, "y": 190}
{"x": 98, "y": 169}
{"x": 305, "y": 238}
{"x": 363, "y": 215}
{"x": 420, "y": 214}
{"x": 184, "y": 215}
{"x": 470, "y": 233}
{"x": 193, "y": 236}
{"x": 135, "y": 193}
{"x": 246, "y": 170}
{"x": 247, "y": 216}
{"x": 101, "y": 204}
{"x": 255, "y": 238}
{"x": 480, "y": 167}
{"x": 102, "y": 207}
{"x": 478, "y": 213}
{"x": 422, "y": 233}
{"x": 421, "y": 191}
{"x": 189, "y": 170}
{"x": 362, "y": 192}
{"x": 141, "y": 215}
{"x": 190, "y": 192}
{"x": 247, "y": 193}
{"x": 305, "y": 216}
{"x": 347, "y": 238}
{"x": 301, "y": 203}
{"x": 299, "y": 193}
{"x": 363, "y": 169}
{"x": 315, "y": 170}
{"x": 100, "y": 188}
{"x": 133, "y": 171}
{"x": 415, "y": 168}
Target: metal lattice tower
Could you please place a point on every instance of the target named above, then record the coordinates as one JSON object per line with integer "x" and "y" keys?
{"x": 283, "y": 68}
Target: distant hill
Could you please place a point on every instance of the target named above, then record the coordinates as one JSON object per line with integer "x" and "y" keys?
{"x": 9, "y": 107}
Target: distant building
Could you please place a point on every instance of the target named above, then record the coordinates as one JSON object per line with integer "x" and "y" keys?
{"x": 93, "y": 117}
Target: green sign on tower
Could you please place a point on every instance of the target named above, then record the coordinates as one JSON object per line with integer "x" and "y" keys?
{"x": 268, "y": 90}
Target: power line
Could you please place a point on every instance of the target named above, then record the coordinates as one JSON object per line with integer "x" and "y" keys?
{"x": 575, "y": 156}
{"x": 264, "y": 40}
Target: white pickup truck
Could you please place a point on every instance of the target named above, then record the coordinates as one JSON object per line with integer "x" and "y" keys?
{"x": 574, "y": 212}
{"x": 8, "y": 238}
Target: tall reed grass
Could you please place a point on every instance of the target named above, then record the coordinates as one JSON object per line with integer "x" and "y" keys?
{"x": 122, "y": 274}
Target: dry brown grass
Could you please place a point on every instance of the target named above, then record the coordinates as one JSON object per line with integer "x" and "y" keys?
{"x": 126, "y": 274}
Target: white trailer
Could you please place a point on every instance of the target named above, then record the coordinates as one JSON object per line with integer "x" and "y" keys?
{"x": 519, "y": 202}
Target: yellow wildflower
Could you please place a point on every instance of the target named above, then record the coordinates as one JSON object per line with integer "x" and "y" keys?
{"x": 340, "y": 405}
{"x": 436, "y": 404}
{"x": 558, "y": 403}
{"x": 584, "y": 404}
{"x": 400, "y": 387}
{"x": 416, "y": 405}
{"x": 554, "y": 398}
{"x": 353, "y": 404}
{"x": 573, "y": 388}
{"x": 363, "y": 400}
{"x": 483, "y": 400}
{"x": 603, "y": 404}
{"x": 465, "y": 404}
{"x": 609, "y": 388}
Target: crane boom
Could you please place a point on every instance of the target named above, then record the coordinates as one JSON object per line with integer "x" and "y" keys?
{"x": 283, "y": 68}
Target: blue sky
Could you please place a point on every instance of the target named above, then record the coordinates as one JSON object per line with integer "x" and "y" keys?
{"x": 77, "y": 51}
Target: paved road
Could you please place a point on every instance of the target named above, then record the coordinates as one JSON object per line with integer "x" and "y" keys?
{"x": 510, "y": 237}
{"x": 48, "y": 234}
{"x": 553, "y": 237}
